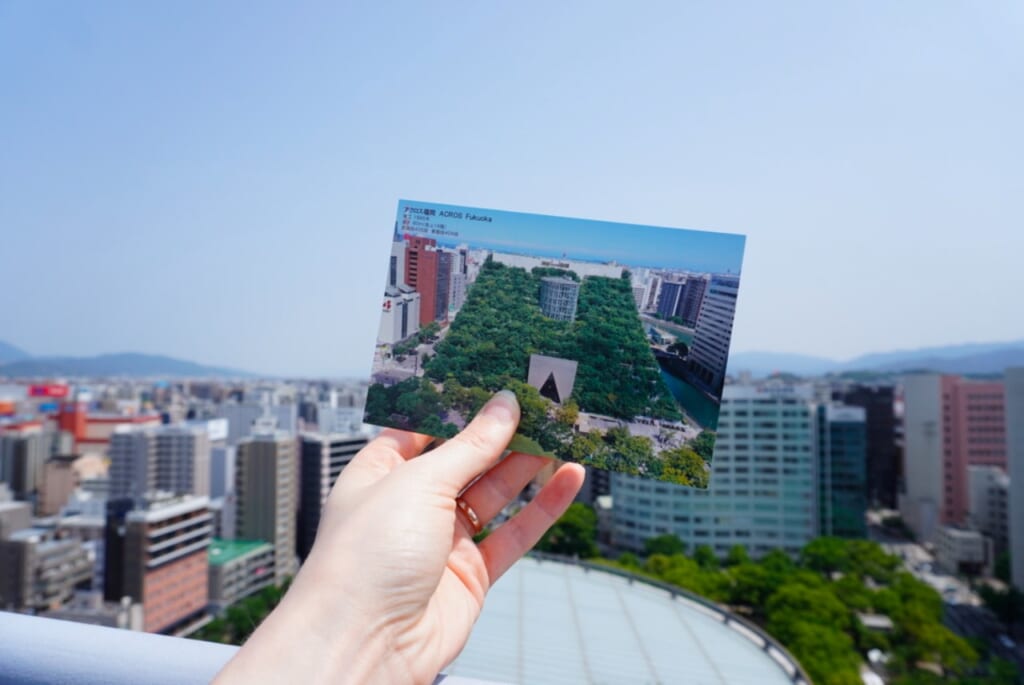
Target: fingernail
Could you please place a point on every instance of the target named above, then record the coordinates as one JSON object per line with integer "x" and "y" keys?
{"x": 503, "y": 406}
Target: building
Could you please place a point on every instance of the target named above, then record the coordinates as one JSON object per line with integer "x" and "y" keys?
{"x": 400, "y": 314}
{"x": 89, "y": 607}
{"x": 950, "y": 423}
{"x": 238, "y": 568}
{"x": 323, "y": 457}
{"x": 1015, "y": 454}
{"x": 23, "y": 456}
{"x": 884, "y": 466}
{"x": 959, "y": 550}
{"x": 553, "y": 377}
{"x": 14, "y": 516}
{"x": 989, "y": 505}
{"x": 763, "y": 491}
{"x": 156, "y": 555}
{"x": 709, "y": 352}
{"x": 653, "y": 294}
{"x": 842, "y": 460}
{"x": 396, "y": 269}
{"x": 167, "y": 458}
{"x": 671, "y": 293}
{"x": 59, "y": 480}
{"x": 691, "y": 300}
{"x": 580, "y": 268}
{"x": 100, "y": 426}
{"x": 558, "y": 297}
{"x": 421, "y": 269}
{"x": 39, "y": 571}
{"x": 445, "y": 268}
{"x": 265, "y": 492}
{"x": 244, "y": 417}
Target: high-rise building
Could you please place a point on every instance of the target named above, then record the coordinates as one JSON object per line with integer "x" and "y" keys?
{"x": 883, "y": 453}
{"x": 238, "y": 568}
{"x": 59, "y": 481}
{"x": 989, "y": 504}
{"x": 245, "y": 417}
{"x": 763, "y": 491}
{"x": 324, "y": 456}
{"x": 1015, "y": 452}
{"x": 396, "y": 270}
{"x": 688, "y": 308}
{"x": 558, "y": 297}
{"x": 168, "y": 458}
{"x": 156, "y": 554}
{"x": 950, "y": 423}
{"x": 421, "y": 274}
{"x": 653, "y": 294}
{"x": 671, "y": 292}
{"x": 40, "y": 571}
{"x": 842, "y": 447}
{"x": 709, "y": 352}
{"x": 23, "y": 455}
{"x": 265, "y": 492}
{"x": 445, "y": 268}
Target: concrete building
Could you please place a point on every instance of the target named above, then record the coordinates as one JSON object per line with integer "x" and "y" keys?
{"x": 89, "y": 607}
{"x": 59, "y": 480}
{"x": 709, "y": 352}
{"x": 323, "y": 457}
{"x": 989, "y": 505}
{"x": 167, "y": 458}
{"x": 23, "y": 455}
{"x": 959, "y": 550}
{"x": 421, "y": 268}
{"x": 653, "y": 294}
{"x": 156, "y": 554}
{"x": 1015, "y": 453}
{"x": 553, "y": 377}
{"x": 266, "y": 491}
{"x": 884, "y": 458}
{"x": 558, "y": 297}
{"x": 396, "y": 269}
{"x": 842, "y": 458}
{"x": 671, "y": 293}
{"x": 950, "y": 423}
{"x": 244, "y": 417}
{"x": 39, "y": 571}
{"x": 400, "y": 315}
{"x": 238, "y": 568}
{"x": 14, "y": 516}
{"x": 763, "y": 492}
{"x": 692, "y": 299}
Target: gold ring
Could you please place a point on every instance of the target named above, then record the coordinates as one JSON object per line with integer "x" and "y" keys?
{"x": 470, "y": 515}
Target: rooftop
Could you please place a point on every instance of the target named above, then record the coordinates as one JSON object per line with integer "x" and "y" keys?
{"x": 554, "y": 622}
{"x": 224, "y": 551}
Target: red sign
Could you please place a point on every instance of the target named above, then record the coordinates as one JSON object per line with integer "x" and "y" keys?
{"x": 51, "y": 390}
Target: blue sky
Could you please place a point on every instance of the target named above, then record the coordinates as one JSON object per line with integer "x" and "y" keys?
{"x": 217, "y": 181}
{"x": 592, "y": 240}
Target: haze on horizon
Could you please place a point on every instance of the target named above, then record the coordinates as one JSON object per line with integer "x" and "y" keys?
{"x": 218, "y": 183}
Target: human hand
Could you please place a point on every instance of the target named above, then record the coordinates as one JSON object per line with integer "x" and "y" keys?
{"x": 394, "y": 581}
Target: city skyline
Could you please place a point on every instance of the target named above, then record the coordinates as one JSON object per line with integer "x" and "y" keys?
{"x": 221, "y": 202}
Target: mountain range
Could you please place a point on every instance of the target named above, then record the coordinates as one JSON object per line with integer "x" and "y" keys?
{"x": 971, "y": 358}
{"x": 15, "y": 363}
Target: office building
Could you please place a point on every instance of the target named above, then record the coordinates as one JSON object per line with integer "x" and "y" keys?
{"x": 88, "y": 606}
{"x": 959, "y": 550}
{"x": 653, "y": 294}
{"x": 671, "y": 293}
{"x": 884, "y": 458}
{"x": 263, "y": 411}
{"x": 400, "y": 314}
{"x": 989, "y": 504}
{"x": 763, "y": 491}
{"x": 167, "y": 458}
{"x": 842, "y": 457}
{"x": 23, "y": 455}
{"x": 1015, "y": 453}
{"x": 265, "y": 492}
{"x": 238, "y": 568}
{"x": 950, "y": 423}
{"x": 323, "y": 458}
{"x": 39, "y": 571}
{"x": 445, "y": 269}
{"x": 156, "y": 555}
{"x": 691, "y": 300}
{"x": 396, "y": 270}
{"x": 59, "y": 480}
{"x": 558, "y": 297}
{"x": 421, "y": 267}
{"x": 709, "y": 352}
{"x": 14, "y": 516}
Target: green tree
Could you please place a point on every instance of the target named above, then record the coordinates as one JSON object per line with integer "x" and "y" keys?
{"x": 667, "y": 544}
{"x": 704, "y": 444}
{"x": 574, "y": 534}
{"x": 684, "y": 466}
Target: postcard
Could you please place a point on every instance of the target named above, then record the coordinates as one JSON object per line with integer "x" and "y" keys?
{"x": 614, "y": 337}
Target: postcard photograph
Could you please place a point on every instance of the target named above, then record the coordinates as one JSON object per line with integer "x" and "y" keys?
{"x": 614, "y": 337}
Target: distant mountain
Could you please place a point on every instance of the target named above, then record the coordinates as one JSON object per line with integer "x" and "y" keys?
{"x": 973, "y": 358}
{"x": 10, "y": 353}
{"x": 112, "y": 365}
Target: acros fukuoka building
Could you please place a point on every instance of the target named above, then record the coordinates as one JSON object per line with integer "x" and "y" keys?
{"x": 558, "y": 297}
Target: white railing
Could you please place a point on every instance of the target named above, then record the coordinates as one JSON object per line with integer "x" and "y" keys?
{"x": 41, "y": 651}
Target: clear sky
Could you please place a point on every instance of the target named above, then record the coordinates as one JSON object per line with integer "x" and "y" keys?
{"x": 552, "y": 236}
{"x": 218, "y": 181}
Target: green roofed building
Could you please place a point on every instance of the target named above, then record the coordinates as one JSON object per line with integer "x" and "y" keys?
{"x": 238, "y": 568}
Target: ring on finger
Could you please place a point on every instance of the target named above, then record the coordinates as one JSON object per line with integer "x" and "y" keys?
{"x": 469, "y": 515}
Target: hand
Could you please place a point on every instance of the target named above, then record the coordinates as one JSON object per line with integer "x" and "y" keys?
{"x": 394, "y": 581}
